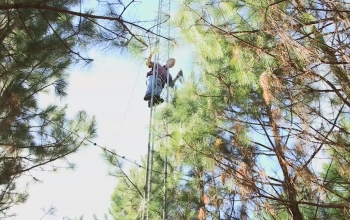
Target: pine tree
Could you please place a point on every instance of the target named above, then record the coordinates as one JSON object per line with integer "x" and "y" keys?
{"x": 270, "y": 98}
{"x": 39, "y": 41}
{"x": 266, "y": 69}
{"x": 87, "y": 23}
{"x": 127, "y": 201}
{"x": 35, "y": 53}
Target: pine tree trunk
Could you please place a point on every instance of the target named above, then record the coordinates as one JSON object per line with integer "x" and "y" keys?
{"x": 201, "y": 205}
{"x": 288, "y": 184}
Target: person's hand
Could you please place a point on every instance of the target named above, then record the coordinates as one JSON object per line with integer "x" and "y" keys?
{"x": 180, "y": 73}
{"x": 148, "y": 62}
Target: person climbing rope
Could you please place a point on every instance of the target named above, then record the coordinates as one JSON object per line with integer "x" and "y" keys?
{"x": 162, "y": 73}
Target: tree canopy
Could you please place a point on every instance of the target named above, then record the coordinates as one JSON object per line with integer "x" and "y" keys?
{"x": 262, "y": 127}
{"x": 39, "y": 40}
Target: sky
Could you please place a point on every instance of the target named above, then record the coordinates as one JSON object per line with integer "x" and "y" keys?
{"x": 105, "y": 90}
{"x": 112, "y": 90}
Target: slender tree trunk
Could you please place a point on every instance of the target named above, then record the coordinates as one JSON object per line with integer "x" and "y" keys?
{"x": 201, "y": 206}
{"x": 288, "y": 184}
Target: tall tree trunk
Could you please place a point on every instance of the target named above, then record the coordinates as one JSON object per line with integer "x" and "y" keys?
{"x": 288, "y": 184}
{"x": 201, "y": 206}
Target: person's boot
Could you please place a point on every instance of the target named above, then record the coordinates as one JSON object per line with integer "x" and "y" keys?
{"x": 147, "y": 97}
{"x": 158, "y": 99}
{"x": 155, "y": 102}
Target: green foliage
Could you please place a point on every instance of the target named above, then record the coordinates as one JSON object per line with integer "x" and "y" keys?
{"x": 266, "y": 108}
{"x": 238, "y": 100}
{"x": 127, "y": 200}
{"x": 308, "y": 17}
{"x": 36, "y": 50}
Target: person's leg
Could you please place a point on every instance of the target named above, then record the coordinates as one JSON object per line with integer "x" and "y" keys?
{"x": 158, "y": 90}
{"x": 149, "y": 83}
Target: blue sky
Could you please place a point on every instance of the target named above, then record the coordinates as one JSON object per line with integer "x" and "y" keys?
{"x": 112, "y": 89}
{"x": 104, "y": 91}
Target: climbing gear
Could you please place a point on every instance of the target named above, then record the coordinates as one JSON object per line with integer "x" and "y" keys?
{"x": 147, "y": 97}
{"x": 156, "y": 101}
